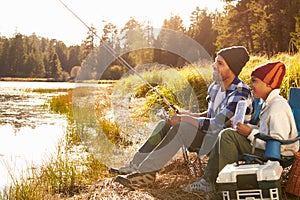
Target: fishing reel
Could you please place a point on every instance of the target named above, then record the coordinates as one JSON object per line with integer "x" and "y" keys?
{"x": 163, "y": 114}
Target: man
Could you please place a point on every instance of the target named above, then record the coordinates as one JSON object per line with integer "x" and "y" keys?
{"x": 196, "y": 130}
{"x": 276, "y": 120}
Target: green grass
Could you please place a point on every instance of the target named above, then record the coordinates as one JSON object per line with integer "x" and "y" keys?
{"x": 50, "y": 90}
{"x": 185, "y": 88}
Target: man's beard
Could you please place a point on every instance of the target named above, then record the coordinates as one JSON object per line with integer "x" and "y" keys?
{"x": 217, "y": 77}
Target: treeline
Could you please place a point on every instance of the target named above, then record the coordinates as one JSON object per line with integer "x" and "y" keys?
{"x": 37, "y": 57}
{"x": 263, "y": 26}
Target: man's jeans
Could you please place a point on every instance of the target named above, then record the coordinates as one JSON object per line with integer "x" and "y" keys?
{"x": 164, "y": 143}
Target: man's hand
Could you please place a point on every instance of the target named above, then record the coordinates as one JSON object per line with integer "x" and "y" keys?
{"x": 184, "y": 118}
{"x": 175, "y": 119}
{"x": 203, "y": 114}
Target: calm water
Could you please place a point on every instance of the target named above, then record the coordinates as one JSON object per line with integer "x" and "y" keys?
{"x": 29, "y": 131}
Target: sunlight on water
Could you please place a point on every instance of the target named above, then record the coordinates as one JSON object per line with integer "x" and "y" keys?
{"x": 26, "y": 148}
{"x": 29, "y": 132}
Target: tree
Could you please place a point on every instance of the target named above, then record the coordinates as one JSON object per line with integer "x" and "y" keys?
{"x": 295, "y": 36}
{"x": 55, "y": 66}
{"x": 33, "y": 63}
{"x": 4, "y": 55}
{"x": 75, "y": 72}
{"x": 169, "y": 40}
{"x": 101, "y": 57}
{"x": 34, "y": 66}
{"x": 16, "y": 56}
{"x": 133, "y": 38}
{"x": 75, "y": 57}
{"x": 233, "y": 26}
{"x": 109, "y": 33}
{"x": 263, "y": 26}
{"x": 201, "y": 29}
{"x": 110, "y": 41}
{"x": 114, "y": 72}
{"x": 63, "y": 55}
{"x": 90, "y": 42}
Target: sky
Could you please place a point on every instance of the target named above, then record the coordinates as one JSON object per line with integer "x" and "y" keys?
{"x": 51, "y": 19}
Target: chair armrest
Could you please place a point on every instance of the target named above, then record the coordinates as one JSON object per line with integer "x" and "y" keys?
{"x": 251, "y": 158}
{"x": 266, "y": 137}
{"x": 272, "y": 149}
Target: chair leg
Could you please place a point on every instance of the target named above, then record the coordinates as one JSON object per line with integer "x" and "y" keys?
{"x": 191, "y": 168}
{"x": 185, "y": 154}
{"x": 200, "y": 165}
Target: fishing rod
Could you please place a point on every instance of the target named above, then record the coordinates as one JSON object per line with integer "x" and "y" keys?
{"x": 122, "y": 60}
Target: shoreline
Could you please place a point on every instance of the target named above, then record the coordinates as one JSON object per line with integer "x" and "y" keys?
{"x": 11, "y": 79}
{"x": 28, "y": 79}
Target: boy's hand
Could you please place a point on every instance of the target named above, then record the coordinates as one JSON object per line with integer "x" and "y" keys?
{"x": 243, "y": 129}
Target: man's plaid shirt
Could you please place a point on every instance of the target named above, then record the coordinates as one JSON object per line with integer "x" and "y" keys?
{"x": 221, "y": 117}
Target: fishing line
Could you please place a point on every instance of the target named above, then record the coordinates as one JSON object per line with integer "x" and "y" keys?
{"x": 122, "y": 60}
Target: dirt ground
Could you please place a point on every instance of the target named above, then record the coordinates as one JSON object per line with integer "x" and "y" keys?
{"x": 168, "y": 184}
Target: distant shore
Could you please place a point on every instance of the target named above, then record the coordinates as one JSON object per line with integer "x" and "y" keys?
{"x": 27, "y": 79}
{"x": 53, "y": 80}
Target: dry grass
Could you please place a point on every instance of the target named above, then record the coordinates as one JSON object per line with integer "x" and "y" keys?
{"x": 169, "y": 182}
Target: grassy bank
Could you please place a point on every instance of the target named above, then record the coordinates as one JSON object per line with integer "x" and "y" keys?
{"x": 66, "y": 173}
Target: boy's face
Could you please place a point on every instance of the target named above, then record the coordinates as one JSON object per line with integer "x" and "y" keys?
{"x": 259, "y": 88}
{"x": 221, "y": 70}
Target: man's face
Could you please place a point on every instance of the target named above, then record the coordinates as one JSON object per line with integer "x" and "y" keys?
{"x": 221, "y": 70}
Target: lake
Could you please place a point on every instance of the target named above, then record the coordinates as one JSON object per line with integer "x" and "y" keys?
{"x": 29, "y": 131}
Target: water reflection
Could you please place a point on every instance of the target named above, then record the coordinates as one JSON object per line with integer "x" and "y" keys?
{"x": 21, "y": 107}
{"x": 27, "y": 148}
{"x": 29, "y": 131}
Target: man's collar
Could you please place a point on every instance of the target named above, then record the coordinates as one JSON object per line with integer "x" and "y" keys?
{"x": 232, "y": 86}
